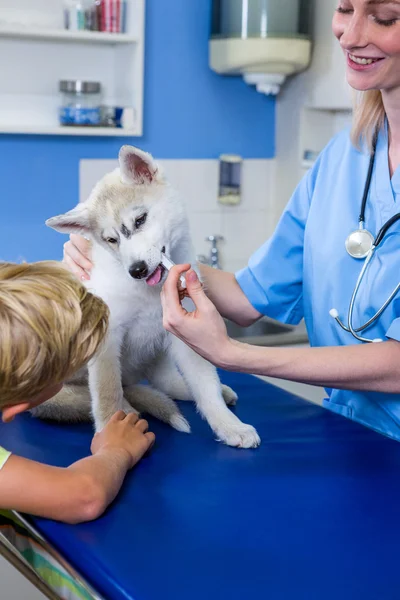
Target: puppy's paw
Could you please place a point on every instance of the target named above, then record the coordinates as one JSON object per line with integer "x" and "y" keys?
{"x": 239, "y": 436}
{"x": 229, "y": 395}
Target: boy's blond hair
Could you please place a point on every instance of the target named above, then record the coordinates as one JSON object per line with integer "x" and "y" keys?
{"x": 50, "y": 326}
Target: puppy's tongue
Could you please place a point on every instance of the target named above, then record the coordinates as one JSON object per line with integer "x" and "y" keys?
{"x": 155, "y": 277}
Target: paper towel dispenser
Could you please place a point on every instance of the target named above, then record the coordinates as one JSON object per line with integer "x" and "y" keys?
{"x": 263, "y": 40}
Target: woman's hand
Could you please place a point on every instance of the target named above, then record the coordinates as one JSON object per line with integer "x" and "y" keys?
{"x": 203, "y": 329}
{"x": 77, "y": 256}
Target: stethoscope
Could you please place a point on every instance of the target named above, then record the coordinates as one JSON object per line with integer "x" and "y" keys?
{"x": 361, "y": 244}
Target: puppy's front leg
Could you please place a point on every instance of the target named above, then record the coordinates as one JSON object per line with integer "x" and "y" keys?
{"x": 202, "y": 379}
{"x": 105, "y": 382}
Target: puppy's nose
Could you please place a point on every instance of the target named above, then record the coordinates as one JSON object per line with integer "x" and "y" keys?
{"x": 139, "y": 270}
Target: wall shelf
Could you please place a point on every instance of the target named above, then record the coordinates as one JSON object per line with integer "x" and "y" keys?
{"x": 70, "y": 131}
{"x": 39, "y": 58}
{"x": 64, "y": 35}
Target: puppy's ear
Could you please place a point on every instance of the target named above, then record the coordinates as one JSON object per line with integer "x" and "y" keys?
{"x": 136, "y": 166}
{"x": 74, "y": 221}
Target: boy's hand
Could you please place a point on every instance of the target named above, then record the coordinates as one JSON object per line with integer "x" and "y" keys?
{"x": 127, "y": 434}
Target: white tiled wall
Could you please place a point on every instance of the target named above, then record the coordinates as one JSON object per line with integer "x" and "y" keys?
{"x": 245, "y": 227}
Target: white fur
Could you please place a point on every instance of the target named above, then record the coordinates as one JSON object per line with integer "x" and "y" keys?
{"x": 137, "y": 347}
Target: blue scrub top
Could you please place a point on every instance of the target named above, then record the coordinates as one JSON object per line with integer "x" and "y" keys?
{"x": 304, "y": 269}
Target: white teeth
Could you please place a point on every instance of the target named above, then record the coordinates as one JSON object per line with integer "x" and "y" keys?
{"x": 362, "y": 61}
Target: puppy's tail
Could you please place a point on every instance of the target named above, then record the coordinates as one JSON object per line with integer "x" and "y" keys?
{"x": 72, "y": 404}
{"x": 146, "y": 399}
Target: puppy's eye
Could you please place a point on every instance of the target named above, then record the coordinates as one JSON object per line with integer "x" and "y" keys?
{"x": 111, "y": 240}
{"x": 140, "y": 220}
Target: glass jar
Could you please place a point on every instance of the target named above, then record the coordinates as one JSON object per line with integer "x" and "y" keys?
{"x": 80, "y": 103}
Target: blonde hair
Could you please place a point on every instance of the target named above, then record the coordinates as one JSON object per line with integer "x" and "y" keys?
{"x": 50, "y": 327}
{"x": 368, "y": 118}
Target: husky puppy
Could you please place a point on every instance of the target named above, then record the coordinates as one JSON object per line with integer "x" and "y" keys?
{"x": 131, "y": 216}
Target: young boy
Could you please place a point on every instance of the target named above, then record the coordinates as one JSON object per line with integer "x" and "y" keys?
{"x": 50, "y": 326}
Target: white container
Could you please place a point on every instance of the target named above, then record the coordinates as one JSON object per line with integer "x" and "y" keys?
{"x": 263, "y": 40}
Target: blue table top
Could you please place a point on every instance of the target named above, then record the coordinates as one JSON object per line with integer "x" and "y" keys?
{"x": 313, "y": 514}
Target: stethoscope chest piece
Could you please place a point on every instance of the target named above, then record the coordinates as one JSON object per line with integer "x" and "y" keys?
{"x": 359, "y": 243}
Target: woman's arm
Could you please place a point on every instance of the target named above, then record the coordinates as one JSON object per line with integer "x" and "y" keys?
{"x": 227, "y": 296}
{"x": 369, "y": 367}
{"x": 82, "y": 491}
{"x": 372, "y": 367}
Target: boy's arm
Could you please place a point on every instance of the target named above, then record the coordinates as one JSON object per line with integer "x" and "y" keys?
{"x": 82, "y": 491}
{"x": 72, "y": 495}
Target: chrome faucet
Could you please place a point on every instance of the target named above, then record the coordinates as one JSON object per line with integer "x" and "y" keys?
{"x": 213, "y": 260}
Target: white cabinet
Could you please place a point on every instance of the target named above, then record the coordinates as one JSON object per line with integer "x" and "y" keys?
{"x": 326, "y": 80}
{"x": 328, "y": 97}
{"x": 317, "y": 128}
{"x": 34, "y": 60}
{"x": 312, "y": 107}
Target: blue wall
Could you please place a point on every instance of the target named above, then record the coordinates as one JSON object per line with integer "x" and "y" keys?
{"x": 189, "y": 112}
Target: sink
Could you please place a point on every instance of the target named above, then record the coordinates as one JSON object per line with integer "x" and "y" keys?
{"x": 267, "y": 332}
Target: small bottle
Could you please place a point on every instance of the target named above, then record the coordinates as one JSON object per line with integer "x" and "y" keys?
{"x": 75, "y": 14}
